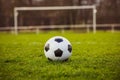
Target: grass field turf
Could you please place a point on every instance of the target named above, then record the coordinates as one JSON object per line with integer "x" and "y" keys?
{"x": 95, "y": 57}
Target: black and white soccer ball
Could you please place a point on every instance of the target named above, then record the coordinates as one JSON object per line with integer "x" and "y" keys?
{"x": 58, "y": 49}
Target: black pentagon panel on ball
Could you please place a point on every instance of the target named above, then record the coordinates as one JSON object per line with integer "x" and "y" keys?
{"x": 58, "y": 40}
{"x": 65, "y": 60}
{"x": 50, "y": 59}
{"x": 47, "y": 47}
{"x": 58, "y": 53}
{"x": 69, "y": 48}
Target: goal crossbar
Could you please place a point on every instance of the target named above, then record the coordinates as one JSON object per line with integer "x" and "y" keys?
{"x": 16, "y": 9}
{"x": 54, "y": 8}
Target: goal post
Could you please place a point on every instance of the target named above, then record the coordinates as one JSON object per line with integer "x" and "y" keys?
{"x": 17, "y": 9}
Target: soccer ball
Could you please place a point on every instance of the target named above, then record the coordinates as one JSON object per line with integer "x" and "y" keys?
{"x": 58, "y": 49}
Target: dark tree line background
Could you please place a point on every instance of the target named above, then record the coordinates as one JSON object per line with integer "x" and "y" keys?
{"x": 108, "y": 11}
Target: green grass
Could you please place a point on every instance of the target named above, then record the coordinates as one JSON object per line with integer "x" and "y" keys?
{"x": 94, "y": 57}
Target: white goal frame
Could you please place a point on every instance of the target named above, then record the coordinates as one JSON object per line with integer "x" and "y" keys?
{"x": 17, "y": 9}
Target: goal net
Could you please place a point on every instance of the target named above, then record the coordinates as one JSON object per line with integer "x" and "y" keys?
{"x": 43, "y": 11}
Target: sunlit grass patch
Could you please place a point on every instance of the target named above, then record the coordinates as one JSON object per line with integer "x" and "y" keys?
{"x": 94, "y": 57}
